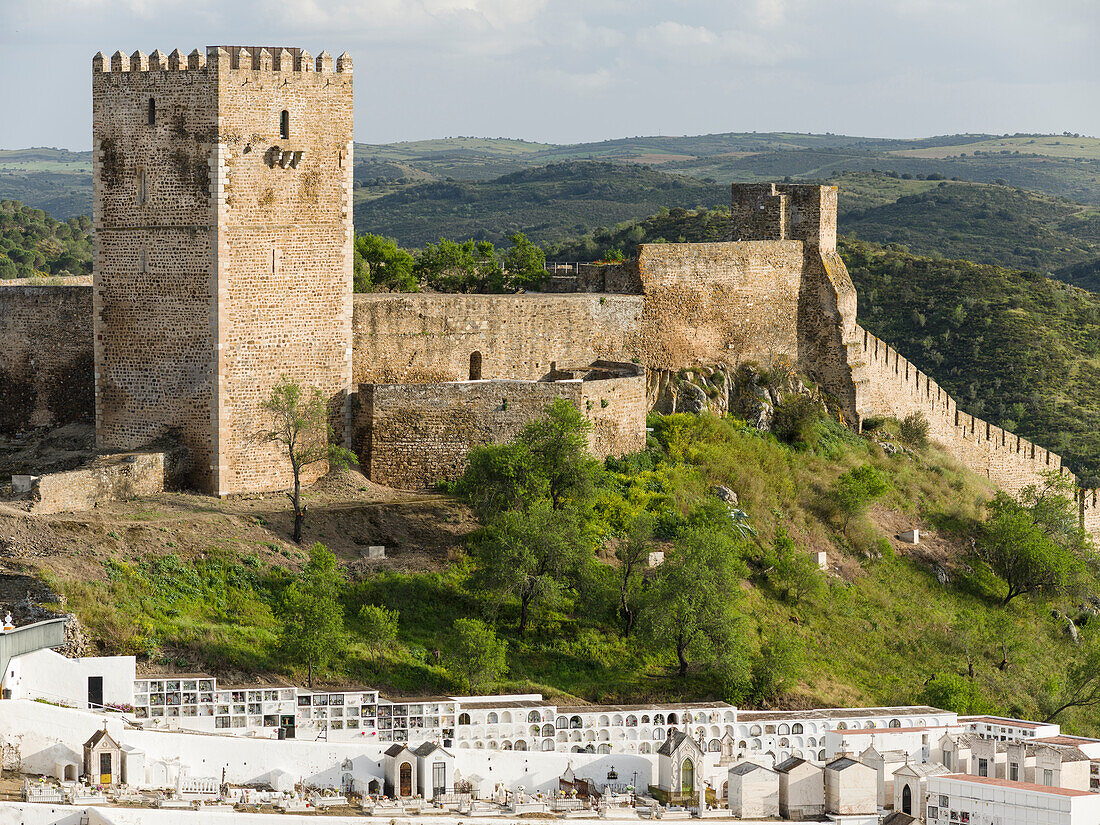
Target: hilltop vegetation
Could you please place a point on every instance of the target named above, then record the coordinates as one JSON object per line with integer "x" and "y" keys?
{"x": 545, "y": 203}
{"x": 34, "y": 244}
{"x": 880, "y": 628}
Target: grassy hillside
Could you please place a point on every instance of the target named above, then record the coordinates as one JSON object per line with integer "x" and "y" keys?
{"x": 880, "y": 628}
{"x": 34, "y": 244}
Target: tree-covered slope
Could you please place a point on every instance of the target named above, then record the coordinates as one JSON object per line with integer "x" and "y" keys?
{"x": 34, "y": 244}
{"x": 546, "y": 203}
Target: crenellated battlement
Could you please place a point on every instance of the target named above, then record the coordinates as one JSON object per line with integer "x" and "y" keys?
{"x": 221, "y": 59}
{"x": 889, "y": 384}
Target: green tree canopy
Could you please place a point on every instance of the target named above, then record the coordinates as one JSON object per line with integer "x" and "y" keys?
{"x": 379, "y": 628}
{"x": 549, "y": 461}
{"x": 476, "y": 656}
{"x": 313, "y": 618}
{"x": 381, "y": 266}
{"x": 690, "y": 605}
{"x": 1034, "y": 542}
{"x": 471, "y": 266}
{"x": 559, "y": 444}
{"x": 855, "y": 490}
{"x": 531, "y": 555}
{"x": 792, "y": 572}
{"x": 524, "y": 263}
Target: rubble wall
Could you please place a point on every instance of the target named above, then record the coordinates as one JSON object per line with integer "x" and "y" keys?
{"x": 412, "y": 436}
{"x": 108, "y": 478}
{"x": 46, "y": 372}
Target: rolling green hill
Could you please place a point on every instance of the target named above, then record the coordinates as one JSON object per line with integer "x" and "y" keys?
{"x": 1067, "y": 166}
{"x": 34, "y": 244}
{"x": 547, "y": 203}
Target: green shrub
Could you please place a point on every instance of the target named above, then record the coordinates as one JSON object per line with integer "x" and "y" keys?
{"x": 913, "y": 430}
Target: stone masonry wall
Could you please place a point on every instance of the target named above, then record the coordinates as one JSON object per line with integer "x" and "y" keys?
{"x": 413, "y": 435}
{"x": 718, "y": 303}
{"x": 223, "y": 257}
{"x": 46, "y": 376}
{"x": 155, "y": 291}
{"x": 284, "y": 260}
{"x": 891, "y": 385}
{"x": 419, "y": 338}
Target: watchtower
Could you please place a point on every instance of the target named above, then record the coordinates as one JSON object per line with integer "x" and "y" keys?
{"x": 223, "y": 231}
{"x": 785, "y": 212}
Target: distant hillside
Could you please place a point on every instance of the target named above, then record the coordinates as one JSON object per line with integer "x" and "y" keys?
{"x": 1014, "y": 347}
{"x": 547, "y": 203}
{"x": 988, "y": 224}
{"x": 56, "y": 180}
{"x": 60, "y": 181}
{"x": 942, "y": 219}
{"x": 32, "y": 243}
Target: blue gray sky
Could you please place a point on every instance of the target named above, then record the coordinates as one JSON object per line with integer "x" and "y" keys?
{"x": 580, "y": 70}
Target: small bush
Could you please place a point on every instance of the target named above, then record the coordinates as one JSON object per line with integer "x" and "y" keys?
{"x": 913, "y": 430}
{"x": 795, "y": 421}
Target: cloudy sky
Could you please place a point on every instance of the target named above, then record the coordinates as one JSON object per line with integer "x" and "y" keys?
{"x": 579, "y": 70}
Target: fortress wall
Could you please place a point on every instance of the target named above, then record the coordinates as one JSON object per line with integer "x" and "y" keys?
{"x": 411, "y": 436}
{"x": 1089, "y": 503}
{"x": 422, "y": 338}
{"x": 46, "y": 364}
{"x": 718, "y": 303}
{"x": 890, "y": 385}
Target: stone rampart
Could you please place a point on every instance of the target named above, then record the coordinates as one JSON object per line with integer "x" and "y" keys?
{"x": 413, "y": 435}
{"x": 718, "y": 303}
{"x": 888, "y": 384}
{"x": 424, "y": 337}
{"x": 46, "y": 375}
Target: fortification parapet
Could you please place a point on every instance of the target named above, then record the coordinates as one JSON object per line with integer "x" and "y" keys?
{"x": 888, "y": 384}
{"x": 220, "y": 59}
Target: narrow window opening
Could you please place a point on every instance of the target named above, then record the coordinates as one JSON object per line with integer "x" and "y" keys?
{"x": 284, "y": 125}
{"x": 475, "y": 366}
{"x": 152, "y": 112}
{"x": 141, "y": 193}
{"x": 144, "y": 261}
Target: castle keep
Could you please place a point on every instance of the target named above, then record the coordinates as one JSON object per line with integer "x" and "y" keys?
{"x": 223, "y": 249}
{"x": 224, "y": 261}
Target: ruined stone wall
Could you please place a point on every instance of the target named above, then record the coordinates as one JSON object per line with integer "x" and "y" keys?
{"x": 420, "y": 338}
{"x": 223, "y": 257}
{"x": 718, "y": 303}
{"x": 119, "y": 477}
{"x": 46, "y": 374}
{"x": 890, "y": 385}
{"x": 413, "y": 435}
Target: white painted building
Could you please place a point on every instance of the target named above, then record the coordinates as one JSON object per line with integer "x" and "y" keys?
{"x": 962, "y": 799}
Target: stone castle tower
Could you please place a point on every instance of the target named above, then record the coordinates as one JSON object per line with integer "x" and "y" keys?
{"x": 223, "y": 231}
